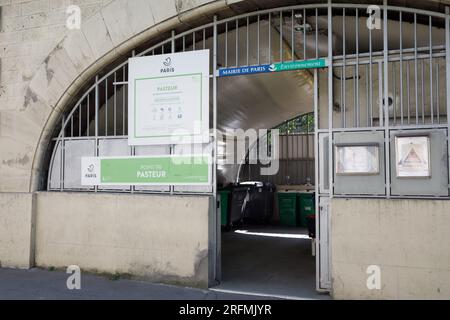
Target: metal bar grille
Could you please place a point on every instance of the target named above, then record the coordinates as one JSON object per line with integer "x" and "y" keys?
{"x": 374, "y": 88}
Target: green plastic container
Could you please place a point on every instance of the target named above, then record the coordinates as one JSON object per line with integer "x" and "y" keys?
{"x": 224, "y": 201}
{"x": 287, "y": 204}
{"x": 306, "y": 206}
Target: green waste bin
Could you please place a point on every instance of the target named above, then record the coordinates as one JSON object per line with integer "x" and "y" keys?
{"x": 287, "y": 204}
{"x": 306, "y": 206}
{"x": 224, "y": 205}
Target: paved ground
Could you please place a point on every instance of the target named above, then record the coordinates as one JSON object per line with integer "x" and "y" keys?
{"x": 39, "y": 284}
{"x": 269, "y": 260}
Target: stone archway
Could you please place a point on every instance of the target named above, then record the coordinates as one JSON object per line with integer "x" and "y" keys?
{"x": 103, "y": 38}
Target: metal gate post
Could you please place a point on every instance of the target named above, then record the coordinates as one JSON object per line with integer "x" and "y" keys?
{"x": 330, "y": 99}
{"x": 316, "y": 169}
{"x": 386, "y": 100}
{"x": 217, "y": 235}
{"x": 447, "y": 75}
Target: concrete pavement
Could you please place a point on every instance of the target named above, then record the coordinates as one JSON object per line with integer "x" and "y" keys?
{"x": 38, "y": 284}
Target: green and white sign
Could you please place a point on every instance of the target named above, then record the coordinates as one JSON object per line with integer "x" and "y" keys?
{"x": 146, "y": 170}
{"x": 169, "y": 98}
{"x": 299, "y": 65}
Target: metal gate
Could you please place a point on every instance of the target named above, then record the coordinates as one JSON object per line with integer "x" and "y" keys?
{"x": 380, "y": 78}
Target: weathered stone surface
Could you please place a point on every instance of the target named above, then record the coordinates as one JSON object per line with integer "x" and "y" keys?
{"x": 97, "y": 35}
{"x": 155, "y": 244}
{"x": 407, "y": 239}
{"x": 16, "y": 230}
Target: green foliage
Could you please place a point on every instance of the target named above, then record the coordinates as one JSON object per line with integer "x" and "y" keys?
{"x": 301, "y": 124}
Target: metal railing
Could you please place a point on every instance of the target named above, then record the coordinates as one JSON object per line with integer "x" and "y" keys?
{"x": 415, "y": 90}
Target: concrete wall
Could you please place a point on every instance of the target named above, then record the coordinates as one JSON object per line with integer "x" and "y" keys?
{"x": 16, "y": 230}
{"x": 408, "y": 239}
{"x": 146, "y": 236}
{"x": 43, "y": 65}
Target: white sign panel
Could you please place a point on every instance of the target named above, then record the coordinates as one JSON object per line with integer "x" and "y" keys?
{"x": 90, "y": 171}
{"x": 357, "y": 160}
{"x": 168, "y": 100}
{"x": 413, "y": 157}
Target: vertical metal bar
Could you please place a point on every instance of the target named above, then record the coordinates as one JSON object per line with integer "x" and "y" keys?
{"x": 386, "y": 98}
{"x": 204, "y": 38}
{"x": 124, "y": 87}
{"x": 193, "y": 41}
{"x": 370, "y": 79}
{"x": 61, "y": 146}
{"x": 88, "y": 115}
{"x": 380, "y": 94}
{"x": 422, "y": 89}
{"x": 431, "y": 70}
{"x": 173, "y": 41}
{"x": 330, "y": 99}
{"x": 79, "y": 119}
{"x": 319, "y": 262}
{"x": 133, "y": 153}
{"x": 218, "y": 258}
{"x": 237, "y": 42}
{"x": 356, "y": 79}
{"x": 106, "y": 106}
{"x": 304, "y": 34}
{"x": 71, "y": 126}
{"x": 447, "y": 75}
{"x": 248, "y": 41}
{"x": 172, "y": 146}
{"x": 292, "y": 36}
{"x": 115, "y": 105}
{"x": 184, "y": 44}
{"x": 341, "y": 97}
{"x": 317, "y": 33}
{"x": 356, "y": 107}
{"x": 257, "y": 41}
{"x": 416, "y": 91}
{"x": 401, "y": 67}
{"x": 270, "y": 38}
{"x": 281, "y": 36}
{"x": 287, "y": 154}
{"x": 438, "y": 98}
{"x": 394, "y": 98}
{"x": 226, "y": 44}
{"x": 97, "y": 106}
{"x": 344, "y": 71}
{"x": 368, "y": 115}
{"x": 408, "y": 91}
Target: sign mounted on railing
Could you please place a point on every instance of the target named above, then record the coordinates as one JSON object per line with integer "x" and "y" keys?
{"x": 276, "y": 67}
{"x": 146, "y": 170}
{"x": 169, "y": 98}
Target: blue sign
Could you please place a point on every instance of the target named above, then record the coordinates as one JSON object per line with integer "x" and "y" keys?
{"x": 263, "y": 68}
{"x": 277, "y": 67}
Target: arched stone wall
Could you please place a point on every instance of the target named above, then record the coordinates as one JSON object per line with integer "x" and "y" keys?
{"x": 118, "y": 26}
{"x": 112, "y": 31}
